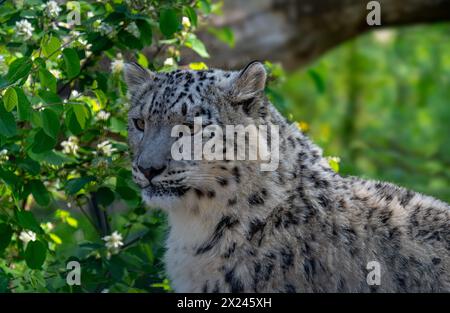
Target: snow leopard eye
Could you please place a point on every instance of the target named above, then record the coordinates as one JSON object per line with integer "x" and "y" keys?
{"x": 139, "y": 124}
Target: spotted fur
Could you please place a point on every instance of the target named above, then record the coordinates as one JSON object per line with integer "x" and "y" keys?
{"x": 301, "y": 228}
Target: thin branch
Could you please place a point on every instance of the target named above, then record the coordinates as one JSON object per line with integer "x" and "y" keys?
{"x": 101, "y": 216}
{"x": 88, "y": 217}
{"x": 134, "y": 240}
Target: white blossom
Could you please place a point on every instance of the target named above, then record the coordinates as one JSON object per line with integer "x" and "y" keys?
{"x": 75, "y": 34}
{"x": 104, "y": 28}
{"x": 52, "y": 9}
{"x": 113, "y": 242}
{"x": 106, "y": 148}
{"x": 103, "y": 115}
{"x": 38, "y": 106}
{"x": 74, "y": 94}
{"x": 84, "y": 43}
{"x": 24, "y": 29}
{"x": 56, "y": 73}
{"x": 169, "y": 62}
{"x": 133, "y": 29}
{"x": 49, "y": 226}
{"x": 78, "y": 39}
{"x": 27, "y": 235}
{"x": 63, "y": 24}
{"x": 117, "y": 64}
{"x": 3, "y": 156}
{"x": 186, "y": 22}
{"x": 70, "y": 146}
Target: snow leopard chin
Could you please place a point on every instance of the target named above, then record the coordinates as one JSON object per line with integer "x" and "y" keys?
{"x": 164, "y": 201}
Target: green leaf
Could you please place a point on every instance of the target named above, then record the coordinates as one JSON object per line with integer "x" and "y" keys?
{"x": 117, "y": 268}
{"x": 50, "y": 122}
{"x": 9, "y": 178}
{"x": 76, "y": 184}
{"x": 40, "y": 193}
{"x": 277, "y": 99}
{"x": 24, "y": 105}
{"x": 72, "y": 62}
{"x": 125, "y": 191}
{"x": 101, "y": 97}
{"x": 47, "y": 79}
{"x": 128, "y": 40}
{"x": 10, "y": 99}
{"x": 142, "y": 60}
{"x": 35, "y": 119}
{"x": 50, "y": 46}
{"x": 99, "y": 43}
{"x": 105, "y": 196}
{"x": 35, "y": 254}
{"x": 205, "y": 6}
{"x": 191, "y": 14}
{"x": 3, "y": 82}
{"x": 318, "y": 81}
{"x": 40, "y": 62}
{"x": 334, "y": 164}
{"x": 49, "y": 97}
{"x": 131, "y": 261}
{"x": 117, "y": 15}
{"x": 169, "y": 22}
{"x": 81, "y": 114}
{"x": 224, "y": 34}
{"x": 4, "y": 282}
{"x": 51, "y": 157}
{"x": 71, "y": 122}
{"x": 5, "y": 236}
{"x": 145, "y": 30}
{"x": 30, "y": 165}
{"x": 42, "y": 142}
{"x": 26, "y": 220}
{"x": 19, "y": 69}
{"x": 55, "y": 238}
{"x": 7, "y": 123}
{"x": 195, "y": 44}
{"x": 118, "y": 125}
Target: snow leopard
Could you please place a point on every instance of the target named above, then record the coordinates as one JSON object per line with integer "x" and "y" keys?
{"x": 300, "y": 228}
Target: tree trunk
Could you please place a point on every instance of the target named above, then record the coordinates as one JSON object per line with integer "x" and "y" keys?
{"x": 297, "y": 32}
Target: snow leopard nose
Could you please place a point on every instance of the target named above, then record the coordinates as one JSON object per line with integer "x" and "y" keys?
{"x": 151, "y": 172}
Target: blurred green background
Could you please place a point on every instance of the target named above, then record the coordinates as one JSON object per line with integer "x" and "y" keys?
{"x": 381, "y": 103}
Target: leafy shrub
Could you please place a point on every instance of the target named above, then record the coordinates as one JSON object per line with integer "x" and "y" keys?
{"x": 64, "y": 163}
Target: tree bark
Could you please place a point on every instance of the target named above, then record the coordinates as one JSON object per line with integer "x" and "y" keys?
{"x": 297, "y": 32}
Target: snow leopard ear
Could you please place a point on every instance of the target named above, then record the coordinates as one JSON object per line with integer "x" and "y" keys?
{"x": 136, "y": 76}
{"x": 250, "y": 81}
